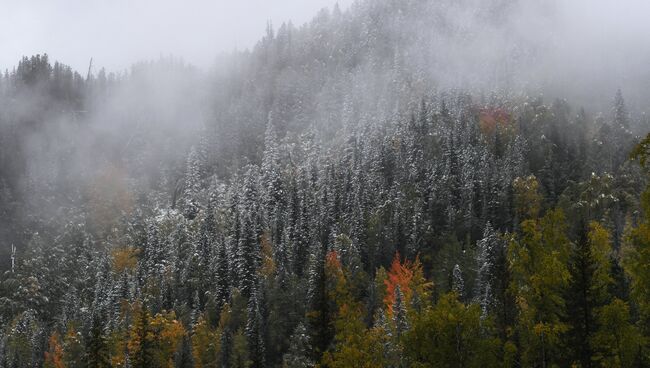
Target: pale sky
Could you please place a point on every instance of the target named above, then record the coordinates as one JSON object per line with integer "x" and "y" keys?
{"x": 116, "y": 33}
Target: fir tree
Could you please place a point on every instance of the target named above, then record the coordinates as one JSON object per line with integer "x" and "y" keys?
{"x": 457, "y": 282}
{"x": 97, "y": 349}
{"x": 298, "y": 355}
{"x": 399, "y": 314}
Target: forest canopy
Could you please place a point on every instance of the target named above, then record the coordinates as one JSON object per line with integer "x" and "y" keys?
{"x": 322, "y": 200}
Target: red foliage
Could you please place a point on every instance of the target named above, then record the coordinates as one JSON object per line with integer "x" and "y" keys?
{"x": 400, "y": 273}
{"x": 332, "y": 260}
{"x": 491, "y": 117}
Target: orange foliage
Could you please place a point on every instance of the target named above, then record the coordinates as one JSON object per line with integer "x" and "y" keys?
{"x": 490, "y": 118}
{"x": 332, "y": 260}
{"x": 408, "y": 275}
{"x": 168, "y": 332}
{"x": 54, "y": 355}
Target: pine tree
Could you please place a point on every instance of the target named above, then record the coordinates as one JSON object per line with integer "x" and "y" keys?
{"x": 222, "y": 276}
{"x": 140, "y": 344}
{"x": 490, "y": 264}
{"x": 183, "y": 358}
{"x": 399, "y": 314}
{"x": 298, "y": 355}
{"x": 205, "y": 249}
{"x": 271, "y": 182}
{"x": 318, "y": 309}
{"x": 248, "y": 256}
{"x": 621, "y": 116}
{"x": 587, "y": 292}
{"x": 457, "y": 282}
{"x": 254, "y": 333}
{"x": 190, "y": 198}
{"x": 97, "y": 349}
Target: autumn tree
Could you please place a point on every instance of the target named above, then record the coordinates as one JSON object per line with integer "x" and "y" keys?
{"x": 450, "y": 334}
{"x": 410, "y": 278}
{"x": 587, "y": 292}
{"x": 54, "y": 353}
{"x": 73, "y": 348}
{"x": 140, "y": 343}
{"x": 538, "y": 260}
{"x": 97, "y": 354}
{"x": 354, "y": 345}
{"x": 205, "y": 345}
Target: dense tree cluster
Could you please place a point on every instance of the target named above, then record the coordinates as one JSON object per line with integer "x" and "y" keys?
{"x": 335, "y": 210}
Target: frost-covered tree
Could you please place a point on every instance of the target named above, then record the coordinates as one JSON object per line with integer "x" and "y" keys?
{"x": 457, "y": 282}
{"x": 192, "y": 187}
{"x": 399, "y": 313}
{"x": 490, "y": 263}
{"x": 298, "y": 355}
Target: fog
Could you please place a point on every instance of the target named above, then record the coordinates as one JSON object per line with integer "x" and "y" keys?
{"x": 581, "y": 50}
{"x": 330, "y": 71}
{"x": 118, "y": 33}
{"x": 253, "y": 181}
{"x": 598, "y": 45}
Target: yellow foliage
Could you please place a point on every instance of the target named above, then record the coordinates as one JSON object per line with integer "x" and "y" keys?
{"x": 117, "y": 342}
{"x": 162, "y": 336}
{"x": 125, "y": 259}
{"x": 205, "y": 345}
{"x": 167, "y": 334}
{"x": 538, "y": 260}
{"x": 268, "y": 263}
{"x": 528, "y": 201}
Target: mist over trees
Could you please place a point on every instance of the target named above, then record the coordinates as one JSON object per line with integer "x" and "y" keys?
{"x": 371, "y": 189}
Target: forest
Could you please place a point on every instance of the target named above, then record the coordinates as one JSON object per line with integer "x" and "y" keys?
{"x": 321, "y": 200}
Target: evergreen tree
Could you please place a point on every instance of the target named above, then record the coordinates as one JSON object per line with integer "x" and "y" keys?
{"x": 140, "y": 344}
{"x": 298, "y": 355}
{"x": 271, "y": 181}
{"x": 222, "y": 276}
{"x": 489, "y": 261}
{"x": 587, "y": 291}
{"x": 399, "y": 314}
{"x": 97, "y": 349}
{"x": 248, "y": 256}
{"x": 190, "y": 198}
{"x": 457, "y": 282}
{"x": 254, "y": 333}
{"x": 621, "y": 116}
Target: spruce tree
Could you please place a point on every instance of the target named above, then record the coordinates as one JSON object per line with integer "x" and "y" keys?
{"x": 399, "y": 314}
{"x": 97, "y": 349}
{"x": 299, "y": 352}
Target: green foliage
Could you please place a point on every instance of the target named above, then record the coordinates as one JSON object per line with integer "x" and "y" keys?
{"x": 266, "y": 250}
{"x": 618, "y": 342}
{"x": 538, "y": 260}
{"x": 97, "y": 354}
{"x": 451, "y": 334}
{"x": 355, "y": 345}
{"x": 205, "y": 345}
